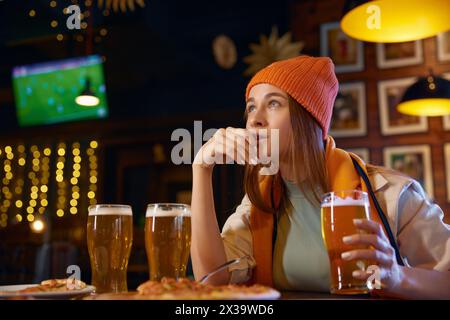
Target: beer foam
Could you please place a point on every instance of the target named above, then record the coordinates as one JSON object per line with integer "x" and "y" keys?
{"x": 175, "y": 212}
{"x": 104, "y": 211}
{"x": 338, "y": 202}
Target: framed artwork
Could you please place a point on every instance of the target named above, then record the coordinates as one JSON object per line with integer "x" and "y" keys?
{"x": 390, "y": 93}
{"x": 443, "y": 46}
{"x": 447, "y": 168}
{"x": 363, "y": 153}
{"x": 446, "y": 119}
{"x": 346, "y": 53}
{"x": 414, "y": 161}
{"x": 349, "y": 112}
{"x": 391, "y": 55}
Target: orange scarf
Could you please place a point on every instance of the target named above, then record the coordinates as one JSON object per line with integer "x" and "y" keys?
{"x": 342, "y": 175}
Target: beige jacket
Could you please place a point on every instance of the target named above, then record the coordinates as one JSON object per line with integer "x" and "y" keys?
{"x": 416, "y": 222}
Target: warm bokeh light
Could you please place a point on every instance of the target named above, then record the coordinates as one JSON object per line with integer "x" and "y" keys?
{"x": 37, "y": 226}
{"x": 36, "y": 170}
{"x": 61, "y": 152}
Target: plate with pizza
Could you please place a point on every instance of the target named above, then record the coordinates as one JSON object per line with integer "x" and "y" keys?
{"x": 47, "y": 289}
{"x": 187, "y": 289}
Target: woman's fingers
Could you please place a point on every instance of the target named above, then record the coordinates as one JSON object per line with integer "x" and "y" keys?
{"x": 236, "y": 145}
{"x": 368, "y": 239}
{"x": 377, "y": 256}
{"x": 369, "y": 226}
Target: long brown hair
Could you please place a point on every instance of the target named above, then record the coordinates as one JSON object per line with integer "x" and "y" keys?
{"x": 307, "y": 156}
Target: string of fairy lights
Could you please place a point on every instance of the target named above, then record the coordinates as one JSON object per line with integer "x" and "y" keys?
{"x": 80, "y": 37}
{"x": 28, "y": 182}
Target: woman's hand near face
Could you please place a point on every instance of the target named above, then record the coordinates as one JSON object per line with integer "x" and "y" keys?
{"x": 381, "y": 253}
{"x": 226, "y": 146}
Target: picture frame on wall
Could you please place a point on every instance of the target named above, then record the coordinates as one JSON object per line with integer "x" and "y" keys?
{"x": 391, "y": 55}
{"x": 446, "y": 119}
{"x": 443, "y": 46}
{"x": 447, "y": 168}
{"x": 349, "y": 111}
{"x": 414, "y": 161}
{"x": 363, "y": 153}
{"x": 347, "y": 53}
{"x": 393, "y": 122}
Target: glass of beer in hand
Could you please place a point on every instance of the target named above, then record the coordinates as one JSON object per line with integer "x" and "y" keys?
{"x": 338, "y": 209}
{"x": 109, "y": 238}
{"x": 167, "y": 239}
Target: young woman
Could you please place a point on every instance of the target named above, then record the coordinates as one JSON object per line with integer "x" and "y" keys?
{"x": 278, "y": 222}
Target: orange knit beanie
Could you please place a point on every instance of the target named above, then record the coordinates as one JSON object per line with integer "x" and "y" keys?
{"x": 308, "y": 80}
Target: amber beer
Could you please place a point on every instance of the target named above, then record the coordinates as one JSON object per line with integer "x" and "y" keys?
{"x": 109, "y": 238}
{"x": 338, "y": 211}
{"x": 167, "y": 239}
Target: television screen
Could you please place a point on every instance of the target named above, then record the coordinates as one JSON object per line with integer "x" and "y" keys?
{"x": 45, "y": 93}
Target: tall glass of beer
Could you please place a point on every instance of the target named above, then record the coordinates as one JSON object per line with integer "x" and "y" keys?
{"x": 338, "y": 209}
{"x": 167, "y": 239}
{"x": 109, "y": 238}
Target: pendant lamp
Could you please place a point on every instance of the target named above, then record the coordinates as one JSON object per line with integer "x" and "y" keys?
{"x": 87, "y": 97}
{"x": 395, "y": 20}
{"x": 429, "y": 96}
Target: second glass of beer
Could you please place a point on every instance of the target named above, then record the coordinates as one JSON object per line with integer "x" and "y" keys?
{"x": 338, "y": 211}
{"x": 167, "y": 239}
{"x": 109, "y": 238}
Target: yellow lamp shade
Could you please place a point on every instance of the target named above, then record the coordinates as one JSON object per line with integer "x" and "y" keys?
{"x": 395, "y": 20}
{"x": 425, "y": 107}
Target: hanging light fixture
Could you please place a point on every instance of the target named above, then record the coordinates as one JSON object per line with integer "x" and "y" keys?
{"x": 395, "y": 20}
{"x": 429, "y": 96}
{"x": 87, "y": 97}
